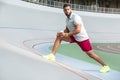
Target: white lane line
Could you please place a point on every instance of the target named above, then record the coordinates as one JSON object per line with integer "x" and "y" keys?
{"x": 114, "y": 49}
{"x": 109, "y": 49}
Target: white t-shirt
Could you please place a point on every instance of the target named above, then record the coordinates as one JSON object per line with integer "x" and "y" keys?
{"x": 71, "y": 22}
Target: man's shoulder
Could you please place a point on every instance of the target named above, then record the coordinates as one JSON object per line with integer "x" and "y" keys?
{"x": 75, "y": 15}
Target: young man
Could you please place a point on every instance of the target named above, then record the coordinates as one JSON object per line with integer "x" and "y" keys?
{"x": 75, "y": 32}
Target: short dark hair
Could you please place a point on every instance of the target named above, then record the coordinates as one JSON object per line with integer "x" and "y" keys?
{"x": 66, "y": 5}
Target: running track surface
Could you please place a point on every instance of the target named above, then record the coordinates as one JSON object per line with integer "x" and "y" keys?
{"x": 80, "y": 66}
{"x": 19, "y": 60}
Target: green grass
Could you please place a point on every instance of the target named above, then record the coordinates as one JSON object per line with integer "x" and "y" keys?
{"x": 72, "y": 50}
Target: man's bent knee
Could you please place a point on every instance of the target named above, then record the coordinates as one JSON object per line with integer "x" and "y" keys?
{"x": 67, "y": 39}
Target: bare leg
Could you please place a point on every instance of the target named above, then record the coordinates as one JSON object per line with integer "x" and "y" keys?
{"x": 56, "y": 45}
{"x": 58, "y": 42}
{"x": 95, "y": 57}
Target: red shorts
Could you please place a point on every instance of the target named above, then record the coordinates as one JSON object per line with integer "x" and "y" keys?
{"x": 84, "y": 45}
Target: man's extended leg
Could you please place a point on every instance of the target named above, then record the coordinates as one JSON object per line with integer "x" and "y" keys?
{"x": 105, "y": 68}
{"x": 95, "y": 57}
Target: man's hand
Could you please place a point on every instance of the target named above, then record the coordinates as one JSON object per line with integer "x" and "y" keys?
{"x": 62, "y": 34}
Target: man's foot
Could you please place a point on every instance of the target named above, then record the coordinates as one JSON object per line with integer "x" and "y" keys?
{"x": 105, "y": 69}
{"x": 49, "y": 57}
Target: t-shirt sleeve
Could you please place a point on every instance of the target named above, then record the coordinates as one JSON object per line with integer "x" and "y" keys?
{"x": 77, "y": 20}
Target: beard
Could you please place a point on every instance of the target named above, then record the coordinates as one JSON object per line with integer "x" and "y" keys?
{"x": 68, "y": 14}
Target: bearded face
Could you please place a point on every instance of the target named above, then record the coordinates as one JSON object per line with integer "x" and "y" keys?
{"x": 67, "y": 11}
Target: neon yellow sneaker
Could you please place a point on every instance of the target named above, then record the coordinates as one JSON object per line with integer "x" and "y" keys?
{"x": 49, "y": 57}
{"x": 105, "y": 69}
